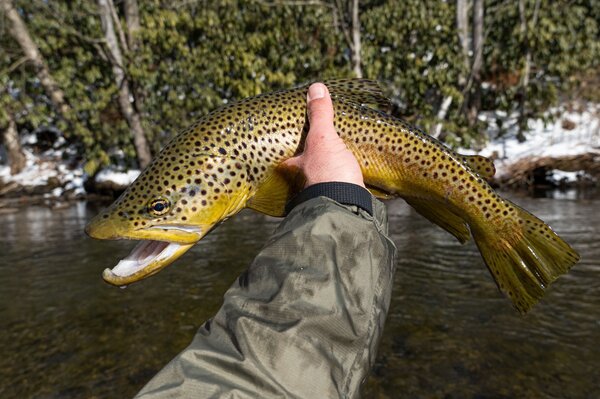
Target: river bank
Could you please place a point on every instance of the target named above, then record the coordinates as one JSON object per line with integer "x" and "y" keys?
{"x": 561, "y": 154}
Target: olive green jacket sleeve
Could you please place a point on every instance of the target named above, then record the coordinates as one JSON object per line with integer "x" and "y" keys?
{"x": 303, "y": 321}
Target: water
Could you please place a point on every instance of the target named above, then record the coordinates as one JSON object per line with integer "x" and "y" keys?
{"x": 64, "y": 333}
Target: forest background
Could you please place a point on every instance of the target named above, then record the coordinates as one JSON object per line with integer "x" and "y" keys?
{"x": 106, "y": 83}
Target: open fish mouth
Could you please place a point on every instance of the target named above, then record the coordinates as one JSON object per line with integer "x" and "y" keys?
{"x": 159, "y": 246}
{"x": 147, "y": 258}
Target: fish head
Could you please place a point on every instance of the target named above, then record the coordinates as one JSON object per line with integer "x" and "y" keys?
{"x": 169, "y": 208}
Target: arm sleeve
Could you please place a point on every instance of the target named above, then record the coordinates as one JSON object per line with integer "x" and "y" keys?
{"x": 303, "y": 321}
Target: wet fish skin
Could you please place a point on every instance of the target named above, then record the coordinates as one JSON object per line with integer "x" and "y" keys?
{"x": 232, "y": 158}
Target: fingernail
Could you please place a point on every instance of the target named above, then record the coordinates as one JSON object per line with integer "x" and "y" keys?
{"x": 315, "y": 91}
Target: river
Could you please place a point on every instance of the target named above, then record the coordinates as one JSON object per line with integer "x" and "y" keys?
{"x": 64, "y": 333}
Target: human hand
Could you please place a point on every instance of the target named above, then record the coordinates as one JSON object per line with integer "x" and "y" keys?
{"x": 326, "y": 157}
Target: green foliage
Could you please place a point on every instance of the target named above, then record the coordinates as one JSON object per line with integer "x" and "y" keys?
{"x": 195, "y": 56}
{"x": 564, "y": 41}
{"x": 412, "y": 46}
{"x": 195, "y": 60}
{"x": 68, "y": 38}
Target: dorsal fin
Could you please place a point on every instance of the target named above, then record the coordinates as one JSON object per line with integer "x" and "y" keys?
{"x": 363, "y": 92}
{"x": 483, "y": 166}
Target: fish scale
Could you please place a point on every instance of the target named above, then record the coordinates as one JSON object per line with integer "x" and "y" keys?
{"x": 234, "y": 158}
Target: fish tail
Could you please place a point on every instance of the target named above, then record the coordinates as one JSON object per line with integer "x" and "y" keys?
{"x": 524, "y": 260}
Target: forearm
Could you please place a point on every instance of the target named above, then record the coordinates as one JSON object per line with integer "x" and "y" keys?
{"x": 303, "y": 321}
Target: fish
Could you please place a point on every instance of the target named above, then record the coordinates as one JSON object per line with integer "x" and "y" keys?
{"x": 234, "y": 158}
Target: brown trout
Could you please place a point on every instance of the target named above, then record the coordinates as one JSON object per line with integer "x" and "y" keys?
{"x": 232, "y": 158}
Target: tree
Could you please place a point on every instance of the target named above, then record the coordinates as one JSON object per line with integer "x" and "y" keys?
{"x": 462, "y": 29}
{"x": 347, "y": 15}
{"x": 196, "y": 57}
{"x": 132, "y": 18}
{"x": 10, "y": 137}
{"x": 524, "y": 81}
{"x": 528, "y": 66}
{"x": 164, "y": 64}
{"x": 474, "y": 84}
{"x": 413, "y": 49}
{"x": 73, "y": 55}
{"x": 19, "y": 32}
{"x": 108, "y": 16}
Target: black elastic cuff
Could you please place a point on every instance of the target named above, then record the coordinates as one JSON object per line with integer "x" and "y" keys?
{"x": 344, "y": 193}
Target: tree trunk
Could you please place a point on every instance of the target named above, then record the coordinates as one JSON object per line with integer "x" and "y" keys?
{"x": 19, "y": 32}
{"x": 356, "y": 45}
{"x": 140, "y": 142}
{"x": 524, "y": 84}
{"x": 475, "y": 97}
{"x": 132, "y": 18}
{"x": 346, "y": 14}
{"x": 441, "y": 115}
{"x": 462, "y": 28}
{"x": 16, "y": 156}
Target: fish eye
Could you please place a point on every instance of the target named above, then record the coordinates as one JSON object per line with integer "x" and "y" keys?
{"x": 159, "y": 206}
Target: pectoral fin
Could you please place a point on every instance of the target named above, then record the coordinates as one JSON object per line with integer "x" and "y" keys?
{"x": 276, "y": 191}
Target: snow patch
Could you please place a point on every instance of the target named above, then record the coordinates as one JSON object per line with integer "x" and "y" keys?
{"x": 562, "y": 177}
{"x": 50, "y": 169}
{"x": 573, "y": 133}
{"x": 123, "y": 179}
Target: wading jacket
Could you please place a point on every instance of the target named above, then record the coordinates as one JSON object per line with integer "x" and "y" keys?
{"x": 305, "y": 319}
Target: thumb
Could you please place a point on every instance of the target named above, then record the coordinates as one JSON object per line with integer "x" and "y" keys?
{"x": 320, "y": 119}
{"x": 320, "y": 114}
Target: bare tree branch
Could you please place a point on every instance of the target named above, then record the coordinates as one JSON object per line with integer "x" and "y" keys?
{"x": 294, "y": 3}
{"x": 117, "y": 23}
{"x": 10, "y": 137}
{"x": 125, "y": 95}
{"x": 132, "y": 20}
{"x": 441, "y": 115}
{"x": 14, "y": 65}
{"x": 19, "y": 32}
{"x": 524, "y": 81}
{"x": 356, "y": 44}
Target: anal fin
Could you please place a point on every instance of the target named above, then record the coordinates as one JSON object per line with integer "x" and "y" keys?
{"x": 441, "y": 216}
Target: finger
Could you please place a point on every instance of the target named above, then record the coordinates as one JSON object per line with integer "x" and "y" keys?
{"x": 320, "y": 114}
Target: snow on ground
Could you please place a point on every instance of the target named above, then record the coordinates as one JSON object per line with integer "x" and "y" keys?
{"x": 55, "y": 173}
{"x": 50, "y": 171}
{"x": 39, "y": 171}
{"x": 572, "y": 133}
{"x": 34, "y": 174}
{"x": 562, "y": 177}
{"x": 123, "y": 179}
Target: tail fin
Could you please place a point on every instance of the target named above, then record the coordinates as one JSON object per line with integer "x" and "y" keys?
{"x": 526, "y": 262}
